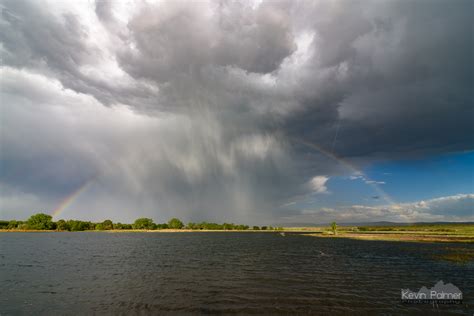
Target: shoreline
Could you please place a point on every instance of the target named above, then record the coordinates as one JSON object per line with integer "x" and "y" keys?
{"x": 111, "y": 231}
{"x": 400, "y": 237}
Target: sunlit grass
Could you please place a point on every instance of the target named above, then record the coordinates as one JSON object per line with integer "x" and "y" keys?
{"x": 451, "y": 232}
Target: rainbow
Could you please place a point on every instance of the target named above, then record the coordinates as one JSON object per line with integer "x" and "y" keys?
{"x": 349, "y": 166}
{"x": 74, "y": 195}
{"x": 70, "y": 198}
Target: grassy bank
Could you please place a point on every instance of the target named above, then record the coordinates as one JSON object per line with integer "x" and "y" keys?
{"x": 463, "y": 233}
{"x": 413, "y": 237}
{"x": 415, "y": 233}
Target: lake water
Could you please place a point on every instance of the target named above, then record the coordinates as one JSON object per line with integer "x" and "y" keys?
{"x": 228, "y": 273}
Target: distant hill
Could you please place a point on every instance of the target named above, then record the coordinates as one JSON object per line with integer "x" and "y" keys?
{"x": 381, "y": 223}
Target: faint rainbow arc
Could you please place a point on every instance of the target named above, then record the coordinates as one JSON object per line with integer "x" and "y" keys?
{"x": 331, "y": 155}
{"x": 74, "y": 195}
{"x": 71, "y": 198}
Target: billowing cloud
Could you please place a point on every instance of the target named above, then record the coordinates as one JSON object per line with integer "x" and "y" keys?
{"x": 171, "y": 162}
{"x": 201, "y": 109}
{"x": 450, "y": 208}
{"x": 318, "y": 184}
{"x": 178, "y": 40}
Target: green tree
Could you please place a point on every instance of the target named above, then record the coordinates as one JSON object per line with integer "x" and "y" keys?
{"x": 256, "y": 228}
{"x": 107, "y": 224}
{"x": 144, "y": 223}
{"x": 75, "y": 225}
{"x": 227, "y": 226}
{"x": 62, "y": 225}
{"x": 122, "y": 226}
{"x": 23, "y": 226}
{"x": 162, "y": 226}
{"x": 41, "y": 221}
{"x": 4, "y": 224}
{"x": 175, "y": 223}
{"x": 334, "y": 228}
{"x": 13, "y": 224}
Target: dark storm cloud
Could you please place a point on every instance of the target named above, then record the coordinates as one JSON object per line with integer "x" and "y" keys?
{"x": 59, "y": 44}
{"x": 180, "y": 38}
{"x": 405, "y": 78}
{"x": 30, "y": 34}
{"x": 198, "y": 107}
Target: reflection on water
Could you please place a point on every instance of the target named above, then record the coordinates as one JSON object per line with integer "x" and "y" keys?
{"x": 218, "y": 273}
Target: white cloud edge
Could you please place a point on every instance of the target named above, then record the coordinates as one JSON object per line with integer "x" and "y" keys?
{"x": 423, "y": 210}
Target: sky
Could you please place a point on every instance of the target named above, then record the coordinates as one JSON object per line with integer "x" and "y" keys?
{"x": 239, "y": 111}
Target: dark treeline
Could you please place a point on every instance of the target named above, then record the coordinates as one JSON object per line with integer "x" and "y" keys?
{"x": 43, "y": 221}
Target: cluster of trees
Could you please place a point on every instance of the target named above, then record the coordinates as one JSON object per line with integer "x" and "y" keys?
{"x": 215, "y": 226}
{"x": 38, "y": 221}
{"x": 43, "y": 221}
{"x": 228, "y": 226}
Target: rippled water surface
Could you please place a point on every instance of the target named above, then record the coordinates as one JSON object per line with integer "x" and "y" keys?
{"x": 243, "y": 273}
